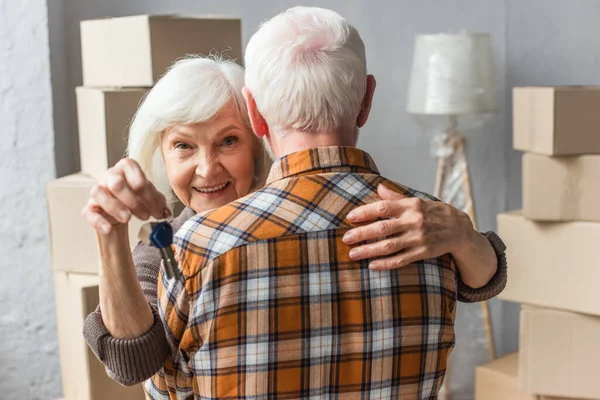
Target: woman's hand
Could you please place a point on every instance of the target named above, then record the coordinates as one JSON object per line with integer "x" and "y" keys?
{"x": 417, "y": 229}
{"x": 124, "y": 192}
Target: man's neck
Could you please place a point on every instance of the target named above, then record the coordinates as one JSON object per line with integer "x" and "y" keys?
{"x": 294, "y": 141}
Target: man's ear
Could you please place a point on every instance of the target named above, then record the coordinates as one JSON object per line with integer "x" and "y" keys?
{"x": 259, "y": 125}
{"x": 367, "y": 102}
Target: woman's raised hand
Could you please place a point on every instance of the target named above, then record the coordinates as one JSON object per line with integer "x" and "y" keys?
{"x": 123, "y": 192}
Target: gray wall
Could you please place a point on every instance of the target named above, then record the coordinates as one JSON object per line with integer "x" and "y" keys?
{"x": 548, "y": 43}
{"x": 535, "y": 42}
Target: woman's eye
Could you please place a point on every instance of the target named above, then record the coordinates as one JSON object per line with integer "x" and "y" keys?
{"x": 230, "y": 141}
{"x": 182, "y": 146}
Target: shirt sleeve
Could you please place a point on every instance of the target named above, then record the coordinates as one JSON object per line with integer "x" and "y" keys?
{"x": 174, "y": 309}
{"x": 156, "y": 387}
{"x": 496, "y": 285}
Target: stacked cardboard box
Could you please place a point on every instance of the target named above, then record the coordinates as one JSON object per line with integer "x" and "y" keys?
{"x": 122, "y": 58}
{"x": 552, "y": 245}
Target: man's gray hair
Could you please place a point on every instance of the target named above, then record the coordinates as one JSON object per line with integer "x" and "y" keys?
{"x": 306, "y": 69}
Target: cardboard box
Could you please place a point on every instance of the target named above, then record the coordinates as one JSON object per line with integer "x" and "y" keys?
{"x": 83, "y": 376}
{"x": 552, "y": 264}
{"x": 561, "y": 188}
{"x": 559, "y": 353}
{"x": 497, "y": 380}
{"x": 73, "y": 240}
{"x": 104, "y": 116}
{"x": 557, "y": 120}
{"x": 137, "y": 50}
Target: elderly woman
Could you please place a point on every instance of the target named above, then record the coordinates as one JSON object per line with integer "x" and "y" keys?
{"x": 191, "y": 141}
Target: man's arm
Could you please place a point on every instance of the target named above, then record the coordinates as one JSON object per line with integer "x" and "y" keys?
{"x": 174, "y": 306}
{"x": 156, "y": 387}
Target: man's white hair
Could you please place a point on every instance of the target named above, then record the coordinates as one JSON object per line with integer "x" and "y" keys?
{"x": 306, "y": 69}
{"x": 193, "y": 90}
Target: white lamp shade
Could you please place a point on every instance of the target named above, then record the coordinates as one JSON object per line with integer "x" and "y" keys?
{"x": 452, "y": 74}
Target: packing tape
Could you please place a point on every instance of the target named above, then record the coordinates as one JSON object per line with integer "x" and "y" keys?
{"x": 570, "y": 193}
{"x": 531, "y": 117}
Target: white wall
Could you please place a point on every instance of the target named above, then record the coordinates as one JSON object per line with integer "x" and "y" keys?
{"x": 28, "y": 349}
{"x": 535, "y": 42}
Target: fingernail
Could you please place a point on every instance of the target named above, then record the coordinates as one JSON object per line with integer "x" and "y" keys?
{"x": 124, "y": 215}
{"x": 348, "y": 237}
{"x": 167, "y": 213}
{"x": 354, "y": 254}
{"x": 351, "y": 216}
{"x": 375, "y": 265}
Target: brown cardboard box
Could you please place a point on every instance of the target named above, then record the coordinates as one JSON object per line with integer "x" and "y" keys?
{"x": 104, "y": 116}
{"x": 137, "y": 50}
{"x": 552, "y": 264}
{"x": 561, "y": 188}
{"x": 73, "y": 240}
{"x": 497, "y": 380}
{"x": 83, "y": 376}
{"x": 557, "y": 120}
{"x": 559, "y": 353}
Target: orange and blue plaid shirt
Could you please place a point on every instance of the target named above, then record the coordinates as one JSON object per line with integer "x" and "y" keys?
{"x": 271, "y": 306}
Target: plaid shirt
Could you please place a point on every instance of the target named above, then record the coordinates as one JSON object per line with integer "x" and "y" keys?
{"x": 271, "y": 306}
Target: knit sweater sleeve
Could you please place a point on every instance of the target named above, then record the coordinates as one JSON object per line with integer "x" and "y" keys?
{"x": 132, "y": 361}
{"x": 496, "y": 285}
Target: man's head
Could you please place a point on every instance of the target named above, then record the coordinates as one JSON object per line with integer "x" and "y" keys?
{"x": 306, "y": 74}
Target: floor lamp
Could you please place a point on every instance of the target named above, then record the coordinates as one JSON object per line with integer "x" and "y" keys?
{"x": 453, "y": 90}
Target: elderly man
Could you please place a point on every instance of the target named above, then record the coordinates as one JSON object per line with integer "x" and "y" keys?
{"x": 269, "y": 304}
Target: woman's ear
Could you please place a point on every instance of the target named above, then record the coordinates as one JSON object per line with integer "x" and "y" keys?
{"x": 259, "y": 125}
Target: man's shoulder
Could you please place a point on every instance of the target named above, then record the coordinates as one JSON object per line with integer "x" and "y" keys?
{"x": 406, "y": 190}
{"x": 212, "y": 233}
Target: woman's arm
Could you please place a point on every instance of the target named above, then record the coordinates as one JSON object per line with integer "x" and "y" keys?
{"x": 125, "y": 311}
{"x": 131, "y": 361}
{"x": 124, "y": 193}
{"x": 425, "y": 229}
{"x": 125, "y": 328}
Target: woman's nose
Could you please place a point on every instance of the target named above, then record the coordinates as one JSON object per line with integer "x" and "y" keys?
{"x": 208, "y": 165}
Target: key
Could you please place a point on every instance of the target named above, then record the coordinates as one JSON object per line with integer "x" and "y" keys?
{"x": 160, "y": 235}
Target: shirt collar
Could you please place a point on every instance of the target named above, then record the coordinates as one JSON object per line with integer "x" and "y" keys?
{"x": 322, "y": 159}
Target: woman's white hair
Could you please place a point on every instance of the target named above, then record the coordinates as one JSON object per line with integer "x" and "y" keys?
{"x": 193, "y": 90}
{"x": 306, "y": 69}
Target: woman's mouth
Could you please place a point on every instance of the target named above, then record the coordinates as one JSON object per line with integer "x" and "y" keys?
{"x": 212, "y": 191}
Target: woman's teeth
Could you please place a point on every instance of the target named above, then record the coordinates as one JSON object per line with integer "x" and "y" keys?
{"x": 212, "y": 189}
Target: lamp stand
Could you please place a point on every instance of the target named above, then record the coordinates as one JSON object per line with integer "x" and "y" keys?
{"x": 453, "y": 186}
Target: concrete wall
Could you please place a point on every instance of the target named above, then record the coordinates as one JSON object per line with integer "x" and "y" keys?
{"x": 28, "y": 349}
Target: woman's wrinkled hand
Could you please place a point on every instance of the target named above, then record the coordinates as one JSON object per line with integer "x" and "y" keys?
{"x": 414, "y": 229}
{"x": 123, "y": 192}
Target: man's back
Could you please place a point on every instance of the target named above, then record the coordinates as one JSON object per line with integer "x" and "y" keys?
{"x": 272, "y": 306}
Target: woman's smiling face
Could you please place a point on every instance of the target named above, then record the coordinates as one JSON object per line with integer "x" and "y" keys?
{"x": 210, "y": 164}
